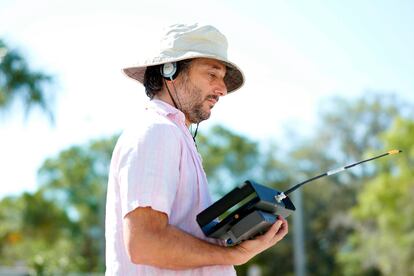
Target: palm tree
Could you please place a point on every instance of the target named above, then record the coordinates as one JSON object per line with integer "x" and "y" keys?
{"x": 19, "y": 83}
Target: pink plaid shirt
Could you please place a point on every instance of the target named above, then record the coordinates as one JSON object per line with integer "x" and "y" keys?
{"x": 156, "y": 164}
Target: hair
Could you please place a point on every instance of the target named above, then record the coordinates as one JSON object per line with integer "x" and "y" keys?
{"x": 153, "y": 80}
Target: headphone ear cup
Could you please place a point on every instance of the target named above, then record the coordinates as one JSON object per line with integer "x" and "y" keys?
{"x": 169, "y": 70}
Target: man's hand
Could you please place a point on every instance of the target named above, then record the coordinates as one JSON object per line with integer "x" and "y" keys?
{"x": 250, "y": 248}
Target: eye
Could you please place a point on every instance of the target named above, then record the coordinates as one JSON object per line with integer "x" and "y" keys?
{"x": 212, "y": 75}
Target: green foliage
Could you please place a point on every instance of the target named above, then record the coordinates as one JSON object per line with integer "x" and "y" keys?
{"x": 36, "y": 231}
{"x": 348, "y": 128}
{"x": 18, "y": 81}
{"x": 230, "y": 158}
{"x": 347, "y": 131}
{"x": 383, "y": 240}
{"x": 226, "y": 154}
{"x": 60, "y": 228}
{"x": 77, "y": 180}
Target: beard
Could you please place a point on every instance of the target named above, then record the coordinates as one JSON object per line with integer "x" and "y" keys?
{"x": 193, "y": 107}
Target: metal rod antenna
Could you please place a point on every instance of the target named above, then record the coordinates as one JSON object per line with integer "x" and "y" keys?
{"x": 331, "y": 172}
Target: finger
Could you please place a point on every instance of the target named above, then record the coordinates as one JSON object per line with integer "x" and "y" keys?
{"x": 281, "y": 233}
{"x": 285, "y": 224}
{"x": 268, "y": 236}
{"x": 279, "y": 217}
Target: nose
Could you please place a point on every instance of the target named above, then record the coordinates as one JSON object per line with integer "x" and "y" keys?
{"x": 221, "y": 89}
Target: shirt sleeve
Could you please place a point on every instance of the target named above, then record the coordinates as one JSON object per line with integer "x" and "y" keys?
{"x": 149, "y": 169}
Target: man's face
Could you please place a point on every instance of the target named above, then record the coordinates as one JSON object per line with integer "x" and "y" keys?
{"x": 199, "y": 90}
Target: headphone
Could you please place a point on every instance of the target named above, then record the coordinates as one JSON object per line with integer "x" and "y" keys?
{"x": 169, "y": 71}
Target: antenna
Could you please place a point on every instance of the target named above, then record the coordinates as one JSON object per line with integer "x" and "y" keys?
{"x": 331, "y": 172}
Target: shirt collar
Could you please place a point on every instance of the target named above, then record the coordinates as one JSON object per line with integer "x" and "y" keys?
{"x": 167, "y": 110}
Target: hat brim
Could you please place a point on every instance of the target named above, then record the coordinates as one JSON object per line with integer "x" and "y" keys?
{"x": 234, "y": 78}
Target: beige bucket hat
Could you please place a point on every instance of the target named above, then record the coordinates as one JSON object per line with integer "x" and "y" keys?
{"x": 191, "y": 41}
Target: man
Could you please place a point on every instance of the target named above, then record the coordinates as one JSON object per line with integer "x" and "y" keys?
{"x": 157, "y": 184}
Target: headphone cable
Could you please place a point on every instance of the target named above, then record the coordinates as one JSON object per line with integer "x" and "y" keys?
{"x": 176, "y": 106}
{"x": 169, "y": 92}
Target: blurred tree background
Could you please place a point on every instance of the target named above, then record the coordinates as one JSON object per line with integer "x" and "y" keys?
{"x": 356, "y": 223}
{"x": 22, "y": 85}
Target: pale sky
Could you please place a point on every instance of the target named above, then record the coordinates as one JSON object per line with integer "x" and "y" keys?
{"x": 294, "y": 54}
